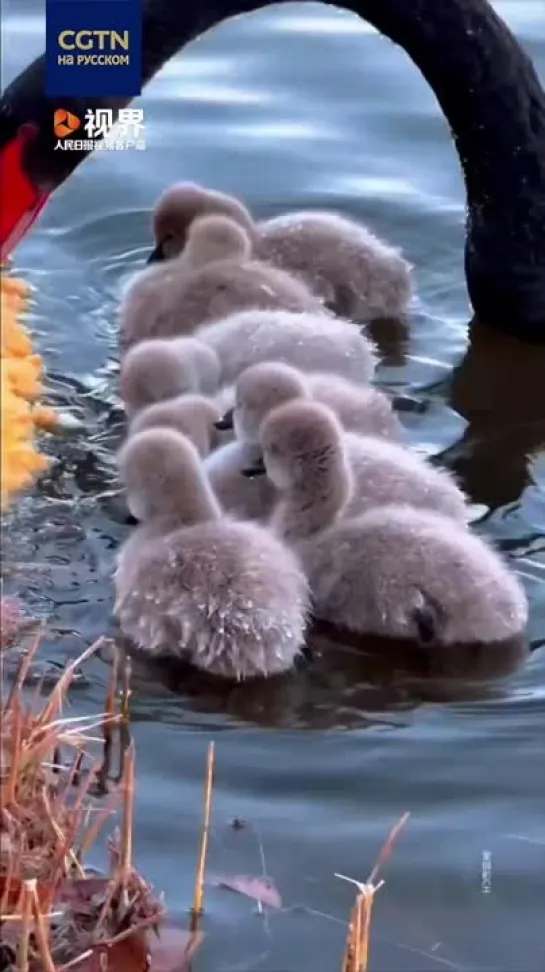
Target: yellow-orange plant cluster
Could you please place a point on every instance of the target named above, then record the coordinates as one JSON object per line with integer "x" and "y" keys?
{"x": 21, "y": 389}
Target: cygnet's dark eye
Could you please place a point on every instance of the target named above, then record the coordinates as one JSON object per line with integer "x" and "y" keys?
{"x": 159, "y": 253}
{"x": 169, "y": 241}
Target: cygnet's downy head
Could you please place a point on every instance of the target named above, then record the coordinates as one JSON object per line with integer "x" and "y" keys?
{"x": 183, "y": 203}
{"x": 192, "y": 415}
{"x": 299, "y": 441}
{"x": 161, "y": 472}
{"x": 258, "y": 390}
{"x": 158, "y": 369}
{"x": 213, "y": 238}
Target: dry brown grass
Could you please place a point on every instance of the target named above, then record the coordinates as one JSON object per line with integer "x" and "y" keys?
{"x": 54, "y": 915}
{"x": 57, "y": 917}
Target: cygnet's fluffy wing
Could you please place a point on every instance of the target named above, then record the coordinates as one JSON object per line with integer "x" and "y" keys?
{"x": 251, "y": 499}
{"x": 387, "y": 472}
{"x": 181, "y": 301}
{"x": 227, "y": 597}
{"x": 401, "y": 572}
{"x": 150, "y": 305}
{"x": 365, "y": 411}
{"x": 309, "y": 341}
{"x": 225, "y": 287}
{"x": 357, "y": 274}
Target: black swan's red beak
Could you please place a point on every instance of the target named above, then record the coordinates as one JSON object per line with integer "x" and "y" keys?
{"x": 22, "y": 200}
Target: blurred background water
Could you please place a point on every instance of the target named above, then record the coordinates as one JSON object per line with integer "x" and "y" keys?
{"x": 305, "y": 105}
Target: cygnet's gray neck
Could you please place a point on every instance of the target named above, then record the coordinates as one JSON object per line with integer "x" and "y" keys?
{"x": 198, "y": 502}
{"x": 318, "y": 499}
{"x": 191, "y": 500}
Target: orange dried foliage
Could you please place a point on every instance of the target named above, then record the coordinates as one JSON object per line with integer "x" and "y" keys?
{"x": 21, "y": 387}
{"x": 53, "y": 914}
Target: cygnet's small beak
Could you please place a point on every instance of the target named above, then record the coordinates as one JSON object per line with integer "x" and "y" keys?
{"x": 131, "y": 520}
{"x": 225, "y": 423}
{"x": 258, "y": 469}
{"x": 157, "y": 255}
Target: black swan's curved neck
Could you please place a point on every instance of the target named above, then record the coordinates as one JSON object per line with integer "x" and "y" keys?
{"x": 488, "y": 91}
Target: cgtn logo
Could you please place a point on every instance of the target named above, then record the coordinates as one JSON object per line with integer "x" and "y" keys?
{"x": 99, "y": 48}
{"x": 101, "y": 132}
{"x": 93, "y": 49}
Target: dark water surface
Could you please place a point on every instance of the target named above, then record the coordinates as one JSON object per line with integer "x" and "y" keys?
{"x": 308, "y": 106}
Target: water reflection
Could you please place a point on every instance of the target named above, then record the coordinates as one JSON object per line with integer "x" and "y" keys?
{"x": 499, "y": 388}
{"x": 344, "y": 682}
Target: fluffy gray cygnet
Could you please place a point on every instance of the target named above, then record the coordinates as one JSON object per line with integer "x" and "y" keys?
{"x": 158, "y": 369}
{"x": 195, "y": 416}
{"x": 395, "y": 570}
{"x": 413, "y": 573}
{"x": 227, "y": 596}
{"x": 215, "y": 275}
{"x": 258, "y": 390}
{"x": 181, "y": 204}
{"x": 379, "y": 471}
{"x": 308, "y": 341}
{"x": 262, "y": 387}
{"x": 357, "y": 274}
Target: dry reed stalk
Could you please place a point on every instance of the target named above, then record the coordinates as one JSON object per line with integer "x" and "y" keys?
{"x": 53, "y": 709}
{"x": 124, "y": 734}
{"x": 356, "y": 955}
{"x": 24, "y": 669}
{"x": 118, "y": 885}
{"x": 128, "y": 819}
{"x": 110, "y": 708}
{"x": 205, "y": 834}
{"x": 23, "y": 951}
{"x": 126, "y": 690}
{"x": 92, "y": 831}
{"x": 7, "y": 851}
{"x": 41, "y": 931}
{"x": 14, "y": 769}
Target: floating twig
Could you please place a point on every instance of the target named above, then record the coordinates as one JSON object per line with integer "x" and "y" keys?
{"x": 356, "y": 955}
{"x": 205, "y": 834}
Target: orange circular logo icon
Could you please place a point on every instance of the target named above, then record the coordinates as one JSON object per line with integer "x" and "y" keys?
{"x": 64, "y": 123}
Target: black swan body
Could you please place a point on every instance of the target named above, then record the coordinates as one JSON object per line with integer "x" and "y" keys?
{"x": 488, "y": 91}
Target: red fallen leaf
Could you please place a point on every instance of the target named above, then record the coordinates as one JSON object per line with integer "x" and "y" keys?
{"x": 261, "y": 889}
{"x": 129, "y": 955}
{"x": 173, "y": 950}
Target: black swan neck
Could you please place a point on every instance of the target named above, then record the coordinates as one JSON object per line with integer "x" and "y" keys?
{"x": 488, "y": 91}
{"x": 493, "y": 101}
